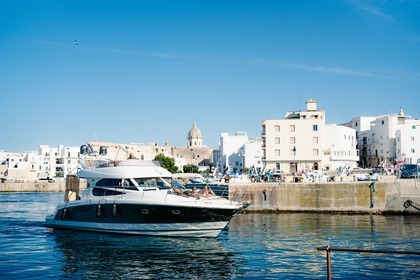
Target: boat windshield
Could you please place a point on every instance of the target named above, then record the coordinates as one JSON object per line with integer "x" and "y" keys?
{"x": 158, "y": 182}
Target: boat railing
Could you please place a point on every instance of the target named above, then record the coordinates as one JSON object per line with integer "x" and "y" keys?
{"x": 329, "y": 249}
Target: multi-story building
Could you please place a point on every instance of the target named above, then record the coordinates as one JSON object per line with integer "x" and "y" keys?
{"x": 340, "y": 148}
{"x": 238, "y": 151}
{"x": 253, "y": 155}
{"x": 302, "y": 141}
{"x": 387, "y": 139}
{"x": 232, "y": 151}
{"x": 57, "y": 162}
{"x": 362, "y": 127}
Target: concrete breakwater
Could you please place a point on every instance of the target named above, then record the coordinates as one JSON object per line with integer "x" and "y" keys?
{"x": 383, "y": 197}
{"x": 388, "y": 197}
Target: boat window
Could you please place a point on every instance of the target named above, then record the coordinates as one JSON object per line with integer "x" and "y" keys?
{"x": 117, "y": 183}
{"x": 109, "y": 183}
{"x": 104, "y": 192}
{"x": 156, "y": 182}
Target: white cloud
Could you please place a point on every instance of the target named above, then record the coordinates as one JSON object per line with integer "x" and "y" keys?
{"x": 364, "y": 7}
{"x": 388, "y": 74}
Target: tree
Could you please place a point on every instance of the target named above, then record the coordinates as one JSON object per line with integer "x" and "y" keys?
{"x": 190, "y": 168}
{"x": 167, "y": 162}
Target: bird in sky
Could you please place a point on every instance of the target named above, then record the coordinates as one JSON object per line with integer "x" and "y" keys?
{"x": 76, "y": 42}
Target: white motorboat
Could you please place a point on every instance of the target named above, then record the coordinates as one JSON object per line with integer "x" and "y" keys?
{"x": 139, "y": 197}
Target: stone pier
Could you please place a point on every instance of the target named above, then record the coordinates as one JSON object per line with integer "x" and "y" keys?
{"x": 389, "y": 197}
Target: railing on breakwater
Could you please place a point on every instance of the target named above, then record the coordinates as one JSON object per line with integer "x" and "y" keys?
{"x": 329, "y": 249}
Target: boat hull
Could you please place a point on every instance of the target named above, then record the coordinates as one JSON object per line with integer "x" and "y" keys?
{"x": 143, "y": 219}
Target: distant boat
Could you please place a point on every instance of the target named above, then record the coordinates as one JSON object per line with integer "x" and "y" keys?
{"x": 139, "y": 197}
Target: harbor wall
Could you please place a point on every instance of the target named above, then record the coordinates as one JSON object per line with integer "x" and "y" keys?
{"x": 38, "y": 186}
{"x": 379, "y": 197}
{"x": 388, "y": 197}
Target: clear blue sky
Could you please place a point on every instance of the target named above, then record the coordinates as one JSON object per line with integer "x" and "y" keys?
{"x": 144, "y": 71}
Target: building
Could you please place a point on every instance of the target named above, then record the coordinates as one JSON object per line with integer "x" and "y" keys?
{"x": 303, "y": 142}
{"x": 58, "y": 162}
{"x": 47, "y": 163}
{"x": 387, "y": 139}
{"x": 238, "y": 151}
{"x": 196, "y": 153}
{"x": 362, "y": 126}
{"x": 340, "y": 148}
{"x": 195, "y": 139}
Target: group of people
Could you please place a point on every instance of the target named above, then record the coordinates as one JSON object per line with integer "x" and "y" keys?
{"x": 205, "y": 191}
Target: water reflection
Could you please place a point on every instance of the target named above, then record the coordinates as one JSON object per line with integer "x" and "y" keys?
{"x": 287, "y": 243}
{"x": 94, "y": 255}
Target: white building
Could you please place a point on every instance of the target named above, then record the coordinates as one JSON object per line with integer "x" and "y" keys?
{"x": 407, "y": 142}
{"x": 19, "y": 166}
{"x": 57, "y": 162}
{"x": 253, "y": 154}
{"x": 47, "y": 163}
{"x": 362, "y": 126}
{"x": 302, "y": 141}
{"x": 238, "y": 151}
{"x": 340, "y": 147}
{"x": 388, "y": 139}
{"x": 232, "y": 151}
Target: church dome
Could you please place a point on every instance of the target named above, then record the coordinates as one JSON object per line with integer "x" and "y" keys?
{"x": 194, "y": 132}
{"x": 194, "y": 137}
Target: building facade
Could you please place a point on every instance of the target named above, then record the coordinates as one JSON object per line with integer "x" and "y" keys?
{"x": 237, "y": 152}
{"x": 387, "y": 139}
{"x": 303, "y": 142}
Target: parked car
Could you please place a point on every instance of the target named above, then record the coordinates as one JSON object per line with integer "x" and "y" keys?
{"x": 410, "y": 171}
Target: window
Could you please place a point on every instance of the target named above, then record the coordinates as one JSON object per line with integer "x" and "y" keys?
{"x": 383, "y": 122}
{"x": 292, "y": 128}
{"x": 277, "y": 128}
{"x": 315, "y": 127}
{"x": 314, "y": 140}
{"x": 104, "y": 192}
{"x": 315, "y": 152}
{"x": 292, "y": 140}
{"x": 277, "y": 140}
{"x": 277, "y": 152}
{"x": 412, "y": 138}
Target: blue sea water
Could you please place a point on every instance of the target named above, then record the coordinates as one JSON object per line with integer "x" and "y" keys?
{"x": 253, "y": 246}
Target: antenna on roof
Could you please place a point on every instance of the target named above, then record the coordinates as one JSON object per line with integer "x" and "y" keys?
{"x": 299, "y": 102}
